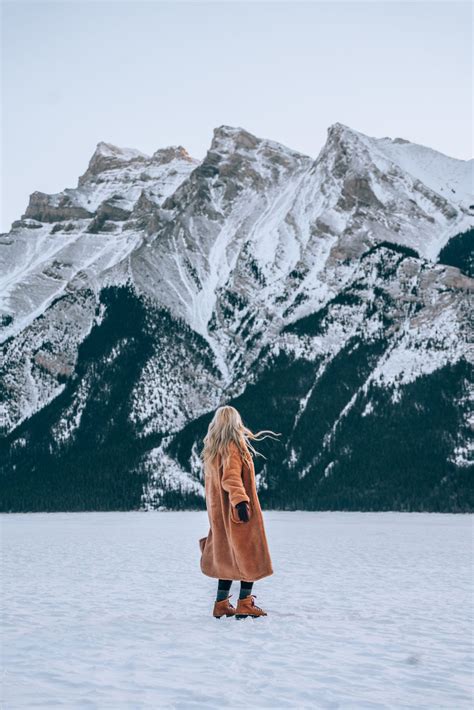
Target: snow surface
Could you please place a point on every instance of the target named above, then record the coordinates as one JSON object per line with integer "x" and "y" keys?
{"x": 111, "y": 610}
{"x": 125, "y": 154}
{"x": 450, "y": 177}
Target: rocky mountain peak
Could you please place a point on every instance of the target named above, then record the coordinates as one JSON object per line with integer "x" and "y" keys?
{"x": 340, "y": 130}
{"x": 108, "y": 156}
{"x": 342, "y": 140}
{"x": 173, "y": 152}
{"x": 338, "y": 134}
{"x": 228, "y": 139}
{"x": 237, "y": 154}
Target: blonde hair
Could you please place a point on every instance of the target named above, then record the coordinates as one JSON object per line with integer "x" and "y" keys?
{"x": 226, "y": 427}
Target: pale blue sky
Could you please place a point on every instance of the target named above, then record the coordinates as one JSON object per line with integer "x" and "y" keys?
{"x": 151, "y": 74}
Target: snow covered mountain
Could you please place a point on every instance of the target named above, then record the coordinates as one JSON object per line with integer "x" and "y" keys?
{"x": 327, "y": 298}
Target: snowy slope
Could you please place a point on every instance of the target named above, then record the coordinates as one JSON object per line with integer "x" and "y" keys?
{"x": 81, "y": 232}
{"x": 292, "y": 216}
{"x": 451, "y": 178}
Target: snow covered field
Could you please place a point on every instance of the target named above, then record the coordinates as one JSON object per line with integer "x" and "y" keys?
{"x": 110, "y": 610}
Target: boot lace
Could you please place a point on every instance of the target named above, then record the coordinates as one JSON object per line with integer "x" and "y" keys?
{"x": 253, "y": 602}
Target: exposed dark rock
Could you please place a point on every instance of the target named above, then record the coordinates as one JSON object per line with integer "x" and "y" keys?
{"x": 166, "y": 155}
{"x": 42, "y": 207}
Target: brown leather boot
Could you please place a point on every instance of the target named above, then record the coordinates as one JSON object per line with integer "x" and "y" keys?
{"x": 223, "y": 608}
{"x": 247, "y": 607}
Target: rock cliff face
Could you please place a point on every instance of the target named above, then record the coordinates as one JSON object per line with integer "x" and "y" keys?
{"x": 327, "y": 298}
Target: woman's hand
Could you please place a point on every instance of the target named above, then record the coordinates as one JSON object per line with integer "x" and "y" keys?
{"x": 244, "y": 511}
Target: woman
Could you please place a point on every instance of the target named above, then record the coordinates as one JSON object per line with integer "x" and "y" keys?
{"x": 236, "y": 547}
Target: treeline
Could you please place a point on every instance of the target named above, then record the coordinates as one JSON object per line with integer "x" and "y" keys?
{"x": 459, "y": 251}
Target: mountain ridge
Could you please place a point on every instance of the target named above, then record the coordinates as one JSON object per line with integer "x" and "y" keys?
{"x": 251, "y": 258}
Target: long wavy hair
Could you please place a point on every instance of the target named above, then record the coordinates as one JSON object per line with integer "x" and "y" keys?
{"x": 227, "y": 426}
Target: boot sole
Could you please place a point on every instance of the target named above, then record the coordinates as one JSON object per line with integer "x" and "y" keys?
{"x": 252, "y": 616}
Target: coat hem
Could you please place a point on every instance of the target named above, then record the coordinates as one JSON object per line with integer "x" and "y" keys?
{"x": 239, "y": 579}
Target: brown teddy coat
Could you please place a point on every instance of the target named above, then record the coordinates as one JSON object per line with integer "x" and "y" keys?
{"x": 234, "y": 549}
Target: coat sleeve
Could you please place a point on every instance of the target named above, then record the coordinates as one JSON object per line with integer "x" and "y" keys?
{"x": 232, "y": 478}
